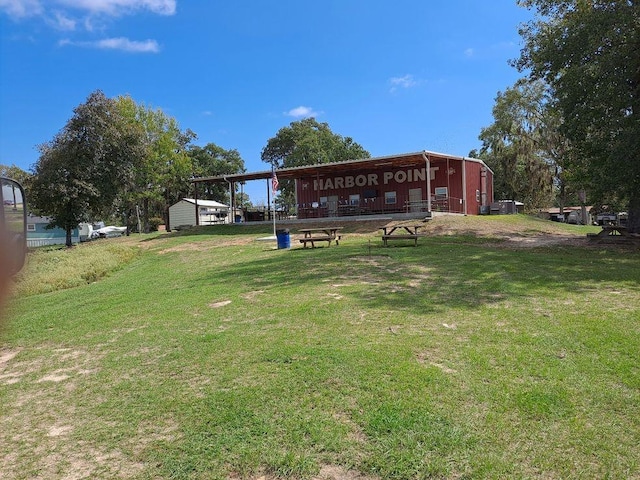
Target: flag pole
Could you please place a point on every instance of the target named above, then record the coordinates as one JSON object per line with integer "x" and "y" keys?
{"x": 274, "y": 186}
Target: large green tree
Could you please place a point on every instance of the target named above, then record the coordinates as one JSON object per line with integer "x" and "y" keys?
{"x": 162, "y": 174}
{"x": 14, "y": 172}
{"x": 213, "y": 160}
{"x": 524, "y": 148}
{"x": 587, "y": 51}
{"x": 307, "y": 142}
{"x": 80, "y": 173}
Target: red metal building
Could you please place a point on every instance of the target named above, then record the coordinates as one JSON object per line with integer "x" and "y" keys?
{"x": 413, "y": 182}
{"x": 423, "y": 181}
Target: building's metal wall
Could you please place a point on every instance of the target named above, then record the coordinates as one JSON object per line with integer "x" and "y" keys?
{"x": 479, "y": 187}
{"x": 182, "y": 213}
{"x": 372, "y": 185}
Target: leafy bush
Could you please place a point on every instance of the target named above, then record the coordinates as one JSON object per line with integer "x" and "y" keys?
{"x": 154, "y": 223}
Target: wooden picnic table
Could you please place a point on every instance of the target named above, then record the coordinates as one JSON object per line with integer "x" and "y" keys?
{"x": 406, "y": 232}
{"x": 322, "y": 234}
{"x": 612, "y": 233}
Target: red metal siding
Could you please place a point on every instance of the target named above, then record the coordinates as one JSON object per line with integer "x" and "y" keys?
{"x": 315, "y": 193}
{"x": 477, "y": 186}
{"x": 474, "y": 188}
{"x": 371, "y": 185}
{"x": 449, "y": 175}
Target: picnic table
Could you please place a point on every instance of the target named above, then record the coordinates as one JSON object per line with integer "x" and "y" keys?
{"x": 613, "y": 233}
{"x": 322, "y": 234}
{"x": 405, "y": 232}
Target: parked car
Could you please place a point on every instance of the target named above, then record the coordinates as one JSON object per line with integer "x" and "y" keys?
{"x": 111, "y": 231}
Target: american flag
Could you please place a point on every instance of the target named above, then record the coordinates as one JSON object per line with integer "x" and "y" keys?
{"x": 274, "y": 183}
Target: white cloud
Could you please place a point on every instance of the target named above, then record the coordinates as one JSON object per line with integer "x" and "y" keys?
{"x": 119, "y": 7}
{"x": 21, "y": 8}
{"x": 406, "y": 81}
{"x": 60, "y": 13}
{"x": 89, "y": 15}
{"x": 469, "y": 52}
{"x": 120, "y": 43}
{"x": 62, "y": 22}
{"x": 302, "y": 111}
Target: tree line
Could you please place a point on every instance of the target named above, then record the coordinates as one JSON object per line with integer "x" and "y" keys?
{"x": 569, "y": 131}
{"x": 118, "y": 159}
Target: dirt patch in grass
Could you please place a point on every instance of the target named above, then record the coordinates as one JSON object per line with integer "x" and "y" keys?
{"x": 204, "y": 246}
{"x": 44, "y": 425}
{"x": 7, "y": 354}
{"x": 251, "y": 296}
{"x": 222, "y": 303}
{"x": 327, "y": 472}
{"x": 510, "y": 232}
{"x": 336, "y": 472}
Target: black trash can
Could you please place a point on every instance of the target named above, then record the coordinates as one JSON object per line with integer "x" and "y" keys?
{"x": 284, "y": 239}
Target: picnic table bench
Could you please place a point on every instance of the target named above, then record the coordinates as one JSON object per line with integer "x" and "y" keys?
{"x": 613, "y": 234}
{"x": 323, "y": 234}
{"x": 406, "y": 232}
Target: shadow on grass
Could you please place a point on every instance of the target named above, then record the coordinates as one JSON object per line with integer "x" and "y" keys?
{"x": 267, "y": 229}
{"x": 214, "y": 230}
{"x": 435, "y": 275}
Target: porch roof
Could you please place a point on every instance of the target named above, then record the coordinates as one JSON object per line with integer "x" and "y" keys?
{"x": 396, "y": 161}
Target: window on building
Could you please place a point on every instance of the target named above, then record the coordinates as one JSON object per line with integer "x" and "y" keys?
{"x": 477, "y": 195}
{"x": 441, "y": 193}
{"x": 390, "y": 198}
{"x": 31, "y": 227}
{"x": 370, "y": 193}
{"x": 354, "y": 199}
{"x": 323, "y": 202}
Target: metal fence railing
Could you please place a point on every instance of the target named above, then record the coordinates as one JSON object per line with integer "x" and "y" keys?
{"x": 376, "y": 206}
{"x": 45, "y": 242}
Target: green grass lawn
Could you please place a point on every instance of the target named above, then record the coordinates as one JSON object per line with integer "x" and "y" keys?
{"x": 210, "y": 355}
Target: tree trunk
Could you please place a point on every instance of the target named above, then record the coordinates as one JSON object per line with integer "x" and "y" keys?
{"x": 561, "y": 197}
{"x": 167, "y": 220}
{"x": 633, "y": 222}
{"x": 68, "y": 242}
{"x": 167, "y": 224}
{"x": 145, "y": 215}
{"x": 582, "y": 195}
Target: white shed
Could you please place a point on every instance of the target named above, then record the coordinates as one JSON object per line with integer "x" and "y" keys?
{"x": 210, "y": 212}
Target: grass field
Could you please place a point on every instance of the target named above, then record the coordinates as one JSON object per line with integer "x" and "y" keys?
{"x": 500, "y": 347}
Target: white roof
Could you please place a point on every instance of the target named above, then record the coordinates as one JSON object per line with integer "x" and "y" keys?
{"x": 206, "y": 203}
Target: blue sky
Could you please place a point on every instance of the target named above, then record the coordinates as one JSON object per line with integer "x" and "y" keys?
{"x": 396, "y": 76}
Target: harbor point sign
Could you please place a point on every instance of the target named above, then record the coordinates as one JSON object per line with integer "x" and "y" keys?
{"x": 374, "y": 179}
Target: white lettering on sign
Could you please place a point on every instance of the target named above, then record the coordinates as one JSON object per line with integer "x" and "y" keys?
{"x": 372, "y": 179}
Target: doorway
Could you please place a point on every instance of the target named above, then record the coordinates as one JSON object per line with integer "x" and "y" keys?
{"x": 415, "y": 199}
